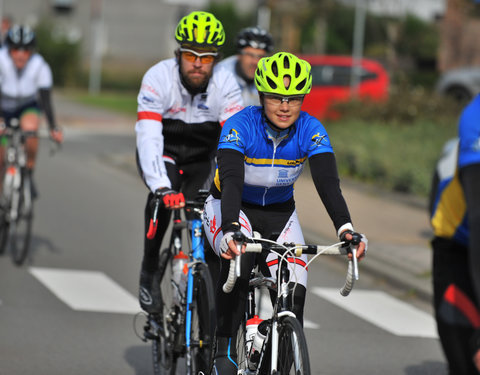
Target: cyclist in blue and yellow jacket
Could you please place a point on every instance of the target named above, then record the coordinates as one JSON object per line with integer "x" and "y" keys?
{"x": 261, "y": 153}
{"x": 455, "y": 218}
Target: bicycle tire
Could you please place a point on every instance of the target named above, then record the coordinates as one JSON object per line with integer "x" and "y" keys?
{"x": 292, "y": 348}
{"x": 163, "y": 356}
{"x": 21, "y": 227}
{"x": 4, "y": 229}
{"x": 241, "y": 347}
{"x": 203, "y": 319}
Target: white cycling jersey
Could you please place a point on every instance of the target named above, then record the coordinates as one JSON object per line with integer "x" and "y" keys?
{"x": 249, "y": 91}
{"x": 21, "y": 87}
{"x": 174, "y": 126}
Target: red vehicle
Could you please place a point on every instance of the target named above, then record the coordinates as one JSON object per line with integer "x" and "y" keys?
{"x": 331, "y": 83}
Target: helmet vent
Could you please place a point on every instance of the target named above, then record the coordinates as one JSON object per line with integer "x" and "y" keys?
{"x": 286, "y": 62}
{"x": 297, "y": 70}
{"x": 272, "y": 84}
{"x": 301, "y": 85}
{"x": 275, "y": 69}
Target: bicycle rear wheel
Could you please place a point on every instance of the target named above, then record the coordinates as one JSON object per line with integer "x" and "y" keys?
{"x": 292, "y": 348}
{"x": 203, "y": 320}
{"x": 21, "y": 226}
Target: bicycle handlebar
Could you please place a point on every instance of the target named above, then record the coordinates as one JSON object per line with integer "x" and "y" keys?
{"x": 297, "y": 250}
{"x": 195, "y": 205}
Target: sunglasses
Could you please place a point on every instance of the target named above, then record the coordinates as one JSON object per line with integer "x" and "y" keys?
{"x": 192, "y": 56}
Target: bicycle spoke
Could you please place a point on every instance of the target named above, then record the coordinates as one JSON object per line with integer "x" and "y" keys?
{"x": 292, "y": 348}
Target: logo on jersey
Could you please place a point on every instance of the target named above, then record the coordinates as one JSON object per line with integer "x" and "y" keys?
{"x": 177, "y": 109}
{"x": 283, "y": 179}
{"x": 476, "y": 145}
{"x": 202, "y": 104}
{"x": 319, "y": 140}
{"x": 232, "y": 137}
{"x": 147, "y": 100}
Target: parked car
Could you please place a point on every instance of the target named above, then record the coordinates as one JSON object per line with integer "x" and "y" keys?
{"x": 331, "y": 83}
{"x": 461, "y": 84}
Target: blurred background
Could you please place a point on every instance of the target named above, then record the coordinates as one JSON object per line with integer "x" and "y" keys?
{"x": 427, "y": 54}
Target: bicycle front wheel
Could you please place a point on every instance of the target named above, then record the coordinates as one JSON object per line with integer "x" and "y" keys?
{"x": 21, "y": 225}
{"x": 292, "y": 348}
{"x": 164, "y": 357}
{"x": 203, "y": 320}
{"x": 4, "y": 228}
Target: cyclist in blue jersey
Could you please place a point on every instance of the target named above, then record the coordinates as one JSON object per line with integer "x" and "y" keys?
{"x": 455, "y": 218}
{"x": 261, "y": 153}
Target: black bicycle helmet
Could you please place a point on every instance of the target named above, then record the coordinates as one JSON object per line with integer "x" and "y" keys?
{"x": 20, "y": 37}
{"x": 255, "y": 37}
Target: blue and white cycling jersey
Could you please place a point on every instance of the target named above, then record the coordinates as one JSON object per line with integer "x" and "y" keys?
{"x": 273, "y": 160}
{"x": 449, "y": 215}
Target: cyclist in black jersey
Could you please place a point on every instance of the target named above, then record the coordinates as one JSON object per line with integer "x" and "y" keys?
{"x": 182, "y": 103}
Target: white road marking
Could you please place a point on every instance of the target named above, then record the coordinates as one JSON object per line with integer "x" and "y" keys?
{"x": 87, "y": 290}
{"x": 384, "y": 311}
{"x": 265, "y": 310}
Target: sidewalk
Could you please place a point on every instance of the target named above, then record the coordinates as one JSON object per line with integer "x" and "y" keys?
{"x": 396, "y": 225}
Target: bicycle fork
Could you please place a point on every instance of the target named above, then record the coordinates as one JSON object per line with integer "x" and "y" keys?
{"x": 197, "y": 250}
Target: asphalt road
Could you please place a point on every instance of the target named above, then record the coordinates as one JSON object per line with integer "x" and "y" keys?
{"x": 71, "y": 308}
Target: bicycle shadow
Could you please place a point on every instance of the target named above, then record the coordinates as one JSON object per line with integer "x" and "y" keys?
{"x": 427, "y": 368}
{"x": 39, "y": 244}
{"x": 140, "y": 359}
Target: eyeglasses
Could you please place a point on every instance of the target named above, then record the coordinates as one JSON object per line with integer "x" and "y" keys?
{"x": 253, "y": 55}
{"x": 277, "y": 100}
{"x": 205, "y": 58}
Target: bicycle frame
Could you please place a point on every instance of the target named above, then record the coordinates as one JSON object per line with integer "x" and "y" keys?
{"x": 283, "y": 303}
{"x": 197, "y": 254}
{"x": 182, "y": 316}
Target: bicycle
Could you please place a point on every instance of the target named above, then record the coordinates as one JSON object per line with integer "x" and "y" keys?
{"x": 279, "y": 345}
{"x": 186, "y": 326}
{"x": 16, "y": 200}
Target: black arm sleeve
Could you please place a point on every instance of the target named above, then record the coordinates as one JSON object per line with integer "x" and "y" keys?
{"x": 231, "y": 171}
{"x": 325, "y": 176}
{"x": 470, "y": 180}
{"x": 46, "y": 103}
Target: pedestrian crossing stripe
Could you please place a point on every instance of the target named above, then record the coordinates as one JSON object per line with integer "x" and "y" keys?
{"x": 87, "y": 290}
{"x": 95, "y": 292}
{"x": 384, "y": 311}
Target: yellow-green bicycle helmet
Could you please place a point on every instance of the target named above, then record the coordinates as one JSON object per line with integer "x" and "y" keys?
{"x": 201, "y": 29}
{"x": 271, "y": 71}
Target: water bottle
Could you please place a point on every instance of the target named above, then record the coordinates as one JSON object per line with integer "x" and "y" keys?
{"x": 251, "y": 330}
{"x": 256, "y": 348}
{"x": 179, "y": 276}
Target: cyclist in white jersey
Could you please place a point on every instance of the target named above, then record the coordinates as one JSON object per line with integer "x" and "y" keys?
{"x": 261, "y": 153}
{"x": 253, "y": 43}
{"x": 25, "y": 88}
{"x": 182, "y": 104}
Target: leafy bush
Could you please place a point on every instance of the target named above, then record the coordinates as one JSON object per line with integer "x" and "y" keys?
{"x": 394, "y": 145}
{"x": 62, "y": 53}
{"x": 405, "y": 105}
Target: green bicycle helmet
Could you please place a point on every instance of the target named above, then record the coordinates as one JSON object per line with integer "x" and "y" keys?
{"x": 200, "y": 29}
{"x": 271, "y": 71}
